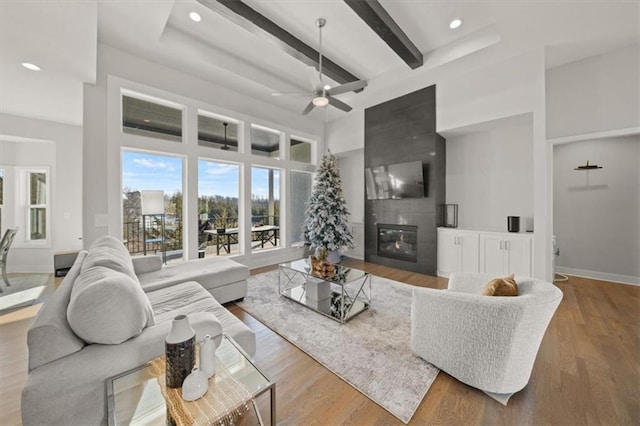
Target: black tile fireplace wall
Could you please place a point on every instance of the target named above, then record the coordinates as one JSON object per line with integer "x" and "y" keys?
{"x": 399, "y": 131}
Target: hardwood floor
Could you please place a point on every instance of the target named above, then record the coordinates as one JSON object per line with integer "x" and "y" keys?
{"x": 587, "y": 370}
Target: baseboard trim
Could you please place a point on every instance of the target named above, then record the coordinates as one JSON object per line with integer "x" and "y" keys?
{"x": 603, "y": 276}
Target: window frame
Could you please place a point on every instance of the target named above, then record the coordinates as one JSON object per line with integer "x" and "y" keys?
{"x": 192, "y": 151}
{"x": 23, "y": 206}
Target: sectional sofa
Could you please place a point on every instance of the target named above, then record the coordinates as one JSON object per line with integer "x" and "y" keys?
{"x": 111, "y": 314}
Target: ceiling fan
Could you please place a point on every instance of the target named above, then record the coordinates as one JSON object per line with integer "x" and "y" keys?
{"x": 321, "y": 94}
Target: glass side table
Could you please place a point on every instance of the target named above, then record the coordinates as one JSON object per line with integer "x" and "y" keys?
{"x": 134, "y": 397}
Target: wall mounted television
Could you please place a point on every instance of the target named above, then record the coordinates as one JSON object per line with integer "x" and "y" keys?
{"x": 397, "y": 181}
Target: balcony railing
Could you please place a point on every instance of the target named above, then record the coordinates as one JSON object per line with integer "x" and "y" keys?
{"x": 134, "y": 236}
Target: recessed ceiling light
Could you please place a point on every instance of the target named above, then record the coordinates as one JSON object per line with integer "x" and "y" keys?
{"x": 455, "y": 23}
{"x": 30, "y": 66}
{"x": 195, "y": 17}
{"x": 327, "y": 87}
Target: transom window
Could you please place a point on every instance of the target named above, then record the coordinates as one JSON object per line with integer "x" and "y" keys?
{"x": 265, "y": 142}
{"x": 217, "y": 133}
{"x": 145, "y": 118}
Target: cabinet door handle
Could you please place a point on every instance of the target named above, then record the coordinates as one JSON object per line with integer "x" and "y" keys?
{"x": 506, "y": 245}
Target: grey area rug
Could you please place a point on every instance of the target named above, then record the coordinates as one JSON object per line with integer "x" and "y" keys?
{"x": 23, "y": 291}
{"x": 371, "y": 352}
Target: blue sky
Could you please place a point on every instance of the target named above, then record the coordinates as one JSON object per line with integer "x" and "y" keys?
{"x": 142, "y": 171}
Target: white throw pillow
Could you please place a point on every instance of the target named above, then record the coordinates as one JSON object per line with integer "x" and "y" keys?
{"x": 109, "y": 252}
{"x": 108, "y": 306}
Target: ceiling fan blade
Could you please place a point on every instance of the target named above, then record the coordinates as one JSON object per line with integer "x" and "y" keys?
{"x": 347, "y": 87}
{"x": 308, "y": 108}
{"x": 289, "y": 94}
{"x": 339, "y": 104}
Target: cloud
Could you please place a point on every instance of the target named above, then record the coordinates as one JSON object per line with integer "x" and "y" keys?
{"x": 219, "y": 169}
{"x": 153, "y": 164}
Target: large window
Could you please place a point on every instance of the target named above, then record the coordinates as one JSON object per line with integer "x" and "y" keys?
{"x": 218, "y": 194}
{"x": 161, "y": 230}
{"x": 37, "y": 205}
{"x": 239, "y": 164}
{"x": 265, "y": 208}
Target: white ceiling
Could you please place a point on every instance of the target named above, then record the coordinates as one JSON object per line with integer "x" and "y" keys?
{"x": 62, "y": 36}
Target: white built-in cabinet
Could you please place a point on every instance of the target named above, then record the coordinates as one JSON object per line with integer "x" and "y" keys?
{"x": 505, "y": 253}
{"x": 500, "y": 253}
{"x": 457, "y": 251}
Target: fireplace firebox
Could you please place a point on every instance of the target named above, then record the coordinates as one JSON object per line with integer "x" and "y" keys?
{"x": 398, "y": 242}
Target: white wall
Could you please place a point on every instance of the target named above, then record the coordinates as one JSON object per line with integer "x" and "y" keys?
{"x": 346, "y": 134}
{"x": 595, "y": 94}
{"x": 351, "y": 165}
{"x": 32, "y": 142}
{"x": 597, "y": 212}
{"x": 490, "y": 175}
{"x": 588, "y": 101}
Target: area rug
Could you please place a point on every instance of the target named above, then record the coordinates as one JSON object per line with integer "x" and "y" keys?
{"x": 371, "y": 352}
{"x": 23, "y": 291}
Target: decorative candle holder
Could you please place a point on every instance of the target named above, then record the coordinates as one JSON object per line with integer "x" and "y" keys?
{"x": 180, "y": 351}
{"x": 449, "y": 215}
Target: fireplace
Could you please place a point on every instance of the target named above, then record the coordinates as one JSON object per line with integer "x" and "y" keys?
{"x": 398, "y": 242}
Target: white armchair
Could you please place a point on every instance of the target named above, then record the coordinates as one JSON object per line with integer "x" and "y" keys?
{"x": 487, "y": 342}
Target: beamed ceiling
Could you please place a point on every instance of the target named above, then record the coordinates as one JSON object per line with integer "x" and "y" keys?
{"x": 257, "y": 47}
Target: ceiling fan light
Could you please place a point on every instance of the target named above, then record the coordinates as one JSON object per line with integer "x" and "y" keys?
{"x": 320, "y": 101}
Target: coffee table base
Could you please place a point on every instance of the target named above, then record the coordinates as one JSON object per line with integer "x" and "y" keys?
{"x": 340, "y": 301}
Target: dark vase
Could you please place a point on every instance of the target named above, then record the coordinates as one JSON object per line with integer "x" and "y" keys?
{"x": 180, "y": 351}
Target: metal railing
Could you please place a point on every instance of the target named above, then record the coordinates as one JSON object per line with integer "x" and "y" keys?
{"x": 134, "y": 236}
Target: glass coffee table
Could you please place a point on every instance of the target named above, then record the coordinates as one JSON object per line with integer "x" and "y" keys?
{"x": 134, "y": 397}
{"x": 341, "y": 296}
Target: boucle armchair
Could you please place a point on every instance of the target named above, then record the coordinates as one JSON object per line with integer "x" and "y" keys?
{"x": 487, "y": 342}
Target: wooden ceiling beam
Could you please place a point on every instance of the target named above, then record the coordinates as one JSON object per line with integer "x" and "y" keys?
{"x": 372, "y": 12}
{"x": 251, "y": 20}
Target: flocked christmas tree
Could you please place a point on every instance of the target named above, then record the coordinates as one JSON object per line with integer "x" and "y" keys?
{"x": 325, "y": 226}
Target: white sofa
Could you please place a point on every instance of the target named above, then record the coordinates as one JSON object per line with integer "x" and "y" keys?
{"x": 100, "y": 323}
{"x": 487, "y": 342}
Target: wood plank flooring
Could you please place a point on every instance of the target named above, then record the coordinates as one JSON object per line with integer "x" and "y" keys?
{"x": 587, "y": 370}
